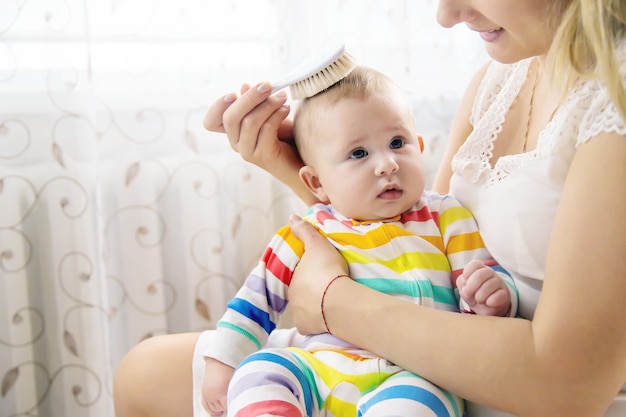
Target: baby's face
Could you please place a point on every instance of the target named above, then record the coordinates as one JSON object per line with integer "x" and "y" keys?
{"x": 367, "y": 157}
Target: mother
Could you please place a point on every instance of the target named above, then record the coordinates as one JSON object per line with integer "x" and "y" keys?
{"x": 537, "y": 151}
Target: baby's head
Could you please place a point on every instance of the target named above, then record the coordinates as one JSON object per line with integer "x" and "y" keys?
{"x": 360, "y": 148}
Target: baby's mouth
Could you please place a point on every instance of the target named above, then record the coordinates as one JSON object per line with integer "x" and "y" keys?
{"x": 390, "y": 194}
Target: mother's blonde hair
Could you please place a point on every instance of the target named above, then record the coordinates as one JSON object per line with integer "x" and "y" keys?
{"x": 586, "y": 42}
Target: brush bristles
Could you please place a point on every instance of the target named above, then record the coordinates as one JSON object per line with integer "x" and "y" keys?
{"x": 323, "y": 79}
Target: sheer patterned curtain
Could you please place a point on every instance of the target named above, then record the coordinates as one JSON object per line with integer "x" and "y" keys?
{"x": 120, "y": 217}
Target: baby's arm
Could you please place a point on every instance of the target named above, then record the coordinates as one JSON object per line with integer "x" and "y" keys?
{"x": 255, "y": 310}
{"x": 482, "y": 285}
{"x": 215, "y": 382}
{"x": 250, "y": 317}
{"x": 484, "y": 291}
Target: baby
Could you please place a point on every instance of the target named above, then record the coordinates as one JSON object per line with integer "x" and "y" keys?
{"x": 362, "y": 159}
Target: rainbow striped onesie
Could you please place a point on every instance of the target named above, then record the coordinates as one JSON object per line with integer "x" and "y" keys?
{"x": 415, "y": 256}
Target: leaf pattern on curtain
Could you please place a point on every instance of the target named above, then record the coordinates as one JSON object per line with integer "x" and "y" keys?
{"x": 121, "y": 218}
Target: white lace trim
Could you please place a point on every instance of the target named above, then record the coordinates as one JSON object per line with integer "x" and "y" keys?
{"x": 496, "y": 94}
{"x": 587, "y": 112}
{"x": 602, "y": 115}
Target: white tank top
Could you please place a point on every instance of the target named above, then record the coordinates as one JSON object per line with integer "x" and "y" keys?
{"x": 515, "y": 201}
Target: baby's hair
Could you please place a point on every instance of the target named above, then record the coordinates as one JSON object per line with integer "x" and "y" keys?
{"x": 588, "y": 34}
{"x": 360, "y": 83}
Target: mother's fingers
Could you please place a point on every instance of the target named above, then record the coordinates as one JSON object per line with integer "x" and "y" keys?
{"x": 243, "y": 122}
{"x": 260, "y": 144}
{"x": 213, "y": 118}
{"x": 327, "y": 259}
{"x": 247, "y": 114}
{"x": 304, "y": 231}
{"x": 249, "y": 98}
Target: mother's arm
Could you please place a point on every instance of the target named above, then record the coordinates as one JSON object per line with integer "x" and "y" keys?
{"x": 569, "y": 360}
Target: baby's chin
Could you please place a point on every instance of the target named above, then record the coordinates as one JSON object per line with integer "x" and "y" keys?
{"x": 378, "y": 216}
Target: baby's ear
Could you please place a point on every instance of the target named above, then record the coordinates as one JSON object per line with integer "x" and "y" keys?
{"x": 309, "y": 177}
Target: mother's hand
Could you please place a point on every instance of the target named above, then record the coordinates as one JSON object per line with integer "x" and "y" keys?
{"x": 257, "y": 127}
{"x": 255, "y": 123}
{"x": 320, "y": 263}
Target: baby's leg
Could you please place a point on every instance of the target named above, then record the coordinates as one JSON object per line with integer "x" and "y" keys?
{"x": 272, "y": 382}
{"x": 406, "y": 394}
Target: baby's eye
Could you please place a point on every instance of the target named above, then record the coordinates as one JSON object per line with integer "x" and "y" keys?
{"x": 358, "y": 153}
{"x": 396, "y": 143}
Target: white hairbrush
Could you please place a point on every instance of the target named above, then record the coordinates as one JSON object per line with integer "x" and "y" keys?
{"x": 317, "y": 74}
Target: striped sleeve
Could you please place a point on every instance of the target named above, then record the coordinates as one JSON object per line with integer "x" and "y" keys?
{"x": 256, "y": 308}
{"x": 463, "y": 243}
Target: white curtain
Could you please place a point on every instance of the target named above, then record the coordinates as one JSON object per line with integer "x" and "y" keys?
{"x": 120, "y": 217}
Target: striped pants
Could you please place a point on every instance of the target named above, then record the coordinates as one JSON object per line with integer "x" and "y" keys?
{"x": 292, "y": 382}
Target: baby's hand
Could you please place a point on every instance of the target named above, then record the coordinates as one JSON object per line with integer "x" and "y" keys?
{"x": 483, "y": 290}
{"x": 215, "y": 386}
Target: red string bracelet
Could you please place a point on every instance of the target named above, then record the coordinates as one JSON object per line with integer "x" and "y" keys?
{"x": 324, "y": 296}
